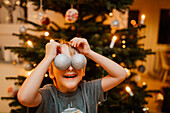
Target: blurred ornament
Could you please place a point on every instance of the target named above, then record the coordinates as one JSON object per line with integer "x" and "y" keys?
{"x": 14, "y": 62}
{"x": 12, "y": 91}
{"x": 45, "y": 20}
{"x": 78, "y": 61}
{"x": 41, "y": 14}
{"x": 137, "y": 78}
{"x": 62, "y": 62}
{"x": 23, "y": 30}
{"x": 159, "y": 97}
{"x": 71, "y": 15}
{"x": 115, "y": 23}
{"x": 28, "y": 67}
{"x": 141, "y": 68}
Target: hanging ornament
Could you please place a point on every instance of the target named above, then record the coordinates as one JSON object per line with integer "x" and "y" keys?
{"x": 62, "y": 62}
{"x": 28, "y": 67}
{"x": 71, "y": 15}
{"x": 12, "y": 91}
{"x": 23, "y": 30}
{"x": 45, "y": 20}
{"x": 41, "y": 13}
{"x": 159, "y": 97}
{"x": 78, "y": 61}
{"x": 115, "y": 23}
{"x": 137, "y": 78}
{"x": 141, "y": 68}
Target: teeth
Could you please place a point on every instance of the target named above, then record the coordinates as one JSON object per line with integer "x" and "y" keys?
{"x": 70, "y": 76}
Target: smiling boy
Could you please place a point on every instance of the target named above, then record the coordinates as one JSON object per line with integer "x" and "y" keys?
{"x": 69, "y": 94}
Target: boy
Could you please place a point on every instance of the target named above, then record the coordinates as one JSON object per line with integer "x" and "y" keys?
{"x": 69, "y": 94}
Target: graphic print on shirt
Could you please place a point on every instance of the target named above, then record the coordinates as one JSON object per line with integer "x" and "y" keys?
{"x": 71, "y": 110}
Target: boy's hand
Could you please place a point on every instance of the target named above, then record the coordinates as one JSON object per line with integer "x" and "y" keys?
{"x": 52, "y": 49}
{"x": 81, "y": 45}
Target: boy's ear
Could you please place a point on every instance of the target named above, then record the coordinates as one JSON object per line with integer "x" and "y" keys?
{"x": 50, "y": 70}
{"x": 84, "y": 69}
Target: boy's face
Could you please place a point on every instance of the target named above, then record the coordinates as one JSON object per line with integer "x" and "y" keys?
{"x": 67, "y": 80}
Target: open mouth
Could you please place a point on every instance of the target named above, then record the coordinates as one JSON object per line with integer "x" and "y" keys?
{"x": 70, "y": 76}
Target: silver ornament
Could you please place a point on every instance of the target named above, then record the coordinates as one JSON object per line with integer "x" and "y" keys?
{"x": 78, "y": 61}
{"x": 62, "y": 62}
{"x": 28, "y": 67}
{"x": 23, "y": 30}
{"x": 115, "y": 23}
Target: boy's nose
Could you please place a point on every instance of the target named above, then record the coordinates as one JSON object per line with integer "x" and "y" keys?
{"x": 70, "y": 68}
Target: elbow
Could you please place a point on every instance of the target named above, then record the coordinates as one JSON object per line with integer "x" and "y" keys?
{"x": 21, "y": 99}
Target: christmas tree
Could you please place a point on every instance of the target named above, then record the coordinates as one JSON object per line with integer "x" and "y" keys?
{"x": 82, "y": 18}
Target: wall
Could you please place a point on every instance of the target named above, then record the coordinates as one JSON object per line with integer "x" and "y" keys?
{"x": 151, "y": 9}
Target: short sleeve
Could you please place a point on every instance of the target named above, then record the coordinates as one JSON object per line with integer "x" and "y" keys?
{"x": 47, "y": 100}
{"x": 95, "y": 91}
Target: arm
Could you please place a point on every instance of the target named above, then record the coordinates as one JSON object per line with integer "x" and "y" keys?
{"x": 28, "y": 94}
{"x": 116, "y": 73}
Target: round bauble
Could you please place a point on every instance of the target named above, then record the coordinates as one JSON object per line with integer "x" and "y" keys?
{"x": 45, "y": 20}
{"x": 62, "y": 62}
{"x": 41, "y": 14}
{"x": 137, "y": 78}
{"x": 141, "y": 68}
{"x": 28, "y": 67}
{"x": 115, "y": 23}
{"x": 71, "y": 15}
{"x": 23, "y": 30}
{"x": 78, "y": 61}
{"x": 12, "y": 91}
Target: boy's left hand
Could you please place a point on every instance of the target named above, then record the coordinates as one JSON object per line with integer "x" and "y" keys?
{"x": 81, "y": 45}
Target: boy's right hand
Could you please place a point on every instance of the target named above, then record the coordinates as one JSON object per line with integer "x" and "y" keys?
{"x": 51, "y": 49}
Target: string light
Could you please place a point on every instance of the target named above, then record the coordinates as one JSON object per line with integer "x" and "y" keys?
{"x": 128, "y": 72}
{"x": 51, "y": 40}
{"x": 113, "y": 55}
{"x": 142, "y": 19}
{"x": 123, "y": 41}
{"x": 144, "y": 83}
{"x": 114, "y": 38}
{"x": 46, "y": 75}
{"x": 129, "y": 91}
{"x": 30, "y": 43}
{"x": 97, "y": 65}
{"x": 123, "y": 46}
{"x": 46, "y": 33}
{"x": 110, "y": 14}
{"x": 133, "y": 22}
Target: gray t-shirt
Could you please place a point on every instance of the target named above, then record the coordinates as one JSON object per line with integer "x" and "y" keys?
{"x": 83, "y": 100}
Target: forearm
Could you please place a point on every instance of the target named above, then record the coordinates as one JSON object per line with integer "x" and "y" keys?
{"x": 114, "y": 69}
{"x": 31, "y": 85}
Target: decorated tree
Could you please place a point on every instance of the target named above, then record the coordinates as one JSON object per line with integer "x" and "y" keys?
{"x": 120, "y": 45}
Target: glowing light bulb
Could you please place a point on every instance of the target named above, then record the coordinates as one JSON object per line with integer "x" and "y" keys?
{"x": 129, "y": 91}
{"x": 30, "y": 43}
{"x": 142, "y": 19}
{"x": 113, "y": 55}
{"x": 46, "y": 33}
{"x": 114, "y": 38}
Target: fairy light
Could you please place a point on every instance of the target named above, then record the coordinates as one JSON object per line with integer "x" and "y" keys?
{"x": 123, "y": 46}
{"x": 129, "y": 91}
{"x": 30, "y": 43}
{"x": 7, "y": 2}
{"x": 128, "y": 72}
{"x": 97, "y": 65}
{"x": 110, "y": 14}
{"x": 123, "y": 41}
{"x": 46, "y": 75}
{"x": 144, "y": 83}
{"x": 18, "y": 2}
{"x": 114, "y": 38}
{"x": 113, "y": 55}
{"x": 142, "y": 19}
{"x": 51, "y": 40}
{"x": 46, "y": 33}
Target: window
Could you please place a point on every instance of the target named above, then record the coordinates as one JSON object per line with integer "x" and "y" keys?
{"x": 164, "y": 27}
